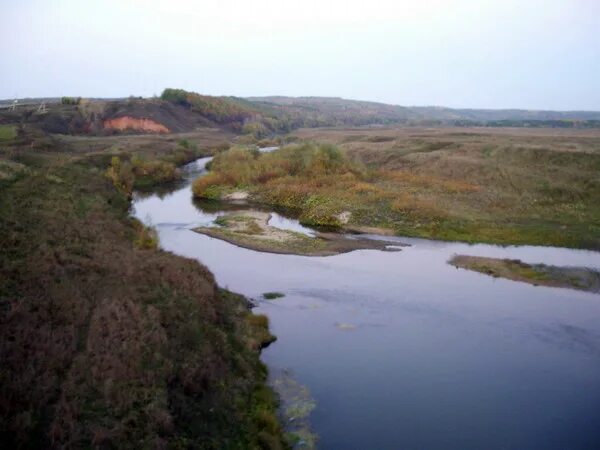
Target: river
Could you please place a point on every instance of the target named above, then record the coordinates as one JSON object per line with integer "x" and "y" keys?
{"x": 401, "y": 350}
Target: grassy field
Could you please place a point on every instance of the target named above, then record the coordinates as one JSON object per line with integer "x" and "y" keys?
{"x": 107, "y": 341}
{"x": 506, "y": 186}
{"x": 7, "y": 132}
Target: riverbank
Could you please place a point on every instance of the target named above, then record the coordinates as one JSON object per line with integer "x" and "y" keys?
{"x": 506, "y": 187}
{"x": 363, "y": 330}
{"x": 250, "y": 229}
{"x": 115, "y": 342}
{"x": 579, "y": 278}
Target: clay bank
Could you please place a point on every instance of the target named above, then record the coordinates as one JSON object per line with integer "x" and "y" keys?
{"x": 128, "y": 123}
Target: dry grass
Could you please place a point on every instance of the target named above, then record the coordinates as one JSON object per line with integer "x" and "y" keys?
{"x": 106, "y": 341}
{"x": 537, "y": 186}
{"x": 500, "y": 186}
{"x": 296, "y": 177}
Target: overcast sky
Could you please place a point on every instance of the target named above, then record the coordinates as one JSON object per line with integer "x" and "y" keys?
{"x": 534, "y": 54}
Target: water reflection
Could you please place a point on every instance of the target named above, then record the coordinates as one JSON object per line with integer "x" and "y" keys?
{"x": 428, "y": 356}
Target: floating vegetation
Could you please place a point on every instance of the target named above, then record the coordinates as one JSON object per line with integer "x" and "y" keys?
{"x": 296, "y": 405}
{"x": 272, "y": 295}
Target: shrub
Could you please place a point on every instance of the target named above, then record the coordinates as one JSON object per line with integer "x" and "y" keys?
{"x": 208, "y": 186}
{"x": 321, "y": 212}
{"x": 146, "y": 237}
{"x": 256, "y": 129}
{"x": 178, "y": 96}
{"x": 260, "y": 327}
{"x": 70, "y": 100}
{"x": 121, "y": 174}
{"x": 244, "y": 166}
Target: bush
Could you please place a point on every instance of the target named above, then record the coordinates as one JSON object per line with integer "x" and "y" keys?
{"x": 256, "y": 129}
{"x": 155, "y": 171}
{"x": 208, "y": 186}
{"x": 146, "y": 237}
{"x": 310, "y": 178}
{"x": 121, "y": 174}
{"x": 244, "y": 166}
{"x": 178, "y": 96}
{"x": 70, "y": 100}
{"x": 260, "y": 331}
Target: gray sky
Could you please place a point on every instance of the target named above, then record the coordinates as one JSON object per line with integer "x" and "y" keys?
{"x": 533, "y": 54}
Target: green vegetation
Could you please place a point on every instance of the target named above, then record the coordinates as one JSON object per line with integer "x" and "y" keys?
{"x": 537, "y": 274}
{"x": 293, "y": 177}
{"x": 297, "y": 404}
{"x": 70, "y": 100}
{"x": 107, "y": 341}
{"x": 241, "y": 223}
{"x": 8, "y": 132}
{"x": 310, "y": 112}
{"x": 264, "y": 118}
{"x": 498, "y": 187}
{"x": 146, "y": 237}
{"x": 261, "y": 117}
{"x": 9, "y": 170}
{"x": 234, "y": 112}
{"x": 134, "y": 171}
{"x": 272, "y": 295}
{"x": 260, "y": 331}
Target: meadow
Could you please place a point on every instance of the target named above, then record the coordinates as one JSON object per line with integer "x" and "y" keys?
{"x": 505, "y": 186}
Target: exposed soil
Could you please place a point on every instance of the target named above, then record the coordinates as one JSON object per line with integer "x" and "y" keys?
{"x": 126, "y": 123}
{"x": 100, "y": 117}
{"x": 250, "y": 229}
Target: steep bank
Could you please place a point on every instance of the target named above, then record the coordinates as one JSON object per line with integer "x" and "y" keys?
{"x": 106, "y": 340}
{"x": 98, "y": 117}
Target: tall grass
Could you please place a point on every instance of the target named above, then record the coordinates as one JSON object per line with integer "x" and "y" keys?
{"x": 242, "y": 165}
{"x": 536, "y": 192}
{"x": 127, "y": 172}
{"x": 297, "y": 176}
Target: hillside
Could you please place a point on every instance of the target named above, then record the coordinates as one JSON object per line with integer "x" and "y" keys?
{"x": 101, "y": 117}
{"x": 182, "y": 111}
{"x": 341, "y": 111}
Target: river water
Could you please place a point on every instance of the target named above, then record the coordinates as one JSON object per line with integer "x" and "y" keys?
{"x": 401, "y": 350}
